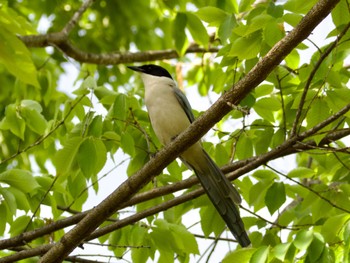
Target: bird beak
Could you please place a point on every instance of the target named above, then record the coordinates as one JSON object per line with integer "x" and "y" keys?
{"x": 138, "y": 69}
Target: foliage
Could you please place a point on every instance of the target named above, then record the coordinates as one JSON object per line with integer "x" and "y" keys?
{"x": 57, "y": 142}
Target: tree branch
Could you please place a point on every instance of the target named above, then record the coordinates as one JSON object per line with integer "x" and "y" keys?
{"x": 311, "y": 76}
{"x": 61, "y": 41}
{"x": 76, "y": 17}
{"x": 25, "y": 253}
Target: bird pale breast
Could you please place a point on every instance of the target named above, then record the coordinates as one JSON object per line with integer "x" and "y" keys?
{"x": 167, "y": 117}
{"x": 166, "y": 124}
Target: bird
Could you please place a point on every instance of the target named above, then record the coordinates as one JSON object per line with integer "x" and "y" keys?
{"x": 170, "y": 114}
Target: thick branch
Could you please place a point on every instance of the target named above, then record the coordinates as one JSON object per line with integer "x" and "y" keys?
{"x": 60, "y": 41}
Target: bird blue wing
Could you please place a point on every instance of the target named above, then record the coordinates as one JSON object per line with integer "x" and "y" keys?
{"x": 184, "y": 103}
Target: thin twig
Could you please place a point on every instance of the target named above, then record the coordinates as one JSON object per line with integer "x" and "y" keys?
{"x": 310, "y": 189}
{"x": 267, "y": 221}
{"x": 76, "y": 17}
{"x": 311, "y": 76}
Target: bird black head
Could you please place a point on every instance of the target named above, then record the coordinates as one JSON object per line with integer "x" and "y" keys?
{"x": 152, "y": 70}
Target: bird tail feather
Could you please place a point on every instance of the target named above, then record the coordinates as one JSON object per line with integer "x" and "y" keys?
{"x": 224, "y": 197}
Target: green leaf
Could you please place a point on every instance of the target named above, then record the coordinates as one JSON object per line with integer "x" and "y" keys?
{"x": 292, "y": 18}
{"x": 255, "y": 27}
{"x": 299, "y": 6}
{"x": 248, "y": 101}
{"x": 111, "y": 135}
{"x": 273, "y": 32}
{"x": 197, "y": 30}
{"x": 166, "y": 256}
{"x": 292, "y": 251}
{"x": 13, "y": 121}
{"x": 303, "y": 239}
{"x": 91, "y": 156}
{"x": 9, "y": 200}
{"x": 31, "y": 105}
{"x": 315, "y": 249}
{"x": 19, "y": 225}
{"x": 338, "y": 98}
{"x": 85, "y": 87}
{"x": 21, "y": 199}
{"x": 105, "y": 95}
{"x": 333, "y": 226}
{"x": 280, "y": 251}
{"x": 265, "y": 175}
{"x": 346, "y": 233}
{"x": 96, "y": 126}
{"x": 76, "y": 186}
{"x": 266, "y": 106}
{"x": 244, "y": 147}
{"x": 137, "y": 161}
{"x": 221, "y": 155}
{"x": 211, "y": 221}
{"x": 175, "y": 170}
{"x": 178, "y": 32}
{"x": 212, "y": 15}
{"x": 246, "y": 47}
{"x": 128, "y": 144}
{"x": 66, "y": 157}
{"x": 245, "y": 5}
{"x": 340, "y": 13}
{"x": 31, "y": 112}
{"x": 263, "y": 90}
{"x": 226, "y": 27}
{"x": 120, "y": 107}
{"x": 263, "y": 140}
{"x": 275, "y": 197}
{"x": 293, "y": 59}
{"x": 260, "y": 255}
{"x": 15, "y": 56}
{"x": 184, "y": 240}
{"x": 139, "y": 237}
{"x": 278, "y": 138}
{"x": 301, "y": 172}
{"x": 120, "y": 237}
{"x": 3, "y": 215}
{"x": 160, "y": 236}
{"x": 239, "y": 255}
{"x": 14, "y": 22}
{"x": 20, "y": 179}
{"x": 318, "y": 112}
{"x": 257, "y": 194}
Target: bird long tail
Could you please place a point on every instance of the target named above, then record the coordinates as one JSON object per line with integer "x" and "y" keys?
{"x": 224, "y": 197}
